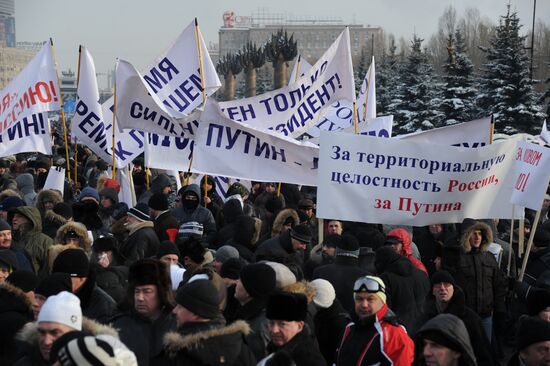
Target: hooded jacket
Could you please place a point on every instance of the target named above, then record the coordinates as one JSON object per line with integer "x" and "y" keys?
{"x": 406, "y": 286}
{"x": 210, "y": 343}
{"x": 452, "y": 328}
{"x": 282, "y": 216}
{"x": 51, "y": 222}
{"x": 157, "y": 185}
{"x": 25, "y": 183}
{"x": 231, "y": 210}
{"x": 81, "y": 231}
{"x": 31, "y": 239}
{"x": 47, "y": 195}
{"x": 142, "y": 242}
{"x": 407, "y": 252}
{"x": 477, "y": 273}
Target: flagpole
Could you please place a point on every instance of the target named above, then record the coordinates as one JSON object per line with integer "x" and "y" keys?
{"x": 529, "y": 244}
{"x": 355, "y": 127}
{"x": 113, "y": 135}
{"x": 511, "y": 239}
{"x": 63, "y": 121}
{"x": 367, "y": 95}
{"x": 147, "y": 183}
{"x": 76, "y": 139}
{"x": 75, "y": 160}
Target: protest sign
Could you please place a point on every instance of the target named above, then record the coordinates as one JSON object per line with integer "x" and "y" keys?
{"x": 401, "y": 182}
{"x": 168, "y": 152}
{"x": 33, "y": 90}
{"x": 28, "y": 134}
{"x": 55, "y": 179}
{"x": 377, "y": 127}
{"x": 292, "y": 110}
{"x": 226, "y": 148}
{"x": 531, "y": 175}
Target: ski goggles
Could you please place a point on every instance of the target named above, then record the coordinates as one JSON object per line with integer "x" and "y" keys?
{"x": 368, "y": 284}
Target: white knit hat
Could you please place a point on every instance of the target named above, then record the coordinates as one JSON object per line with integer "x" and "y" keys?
{"x": 283, "y": 275}
{"x": 324, "y": 293}
{"x": 63, "y": 308}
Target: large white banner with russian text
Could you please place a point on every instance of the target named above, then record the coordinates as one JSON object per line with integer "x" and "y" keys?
{"x": 28, "y": 134}
{"x": 292, "y": 110}
{"x": 390, "y": 181}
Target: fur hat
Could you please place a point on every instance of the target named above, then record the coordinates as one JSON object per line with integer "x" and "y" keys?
{"x": 104, "y": 243}
{"x": 63, "y": 209}
{"x": 286, "y": 306}
{"x": 149, "y": 271}
{"x": 258, "y": 279}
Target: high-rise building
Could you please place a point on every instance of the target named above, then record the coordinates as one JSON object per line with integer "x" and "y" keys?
{"x": 12, "y": 61}
{"x": 7, "y": 23}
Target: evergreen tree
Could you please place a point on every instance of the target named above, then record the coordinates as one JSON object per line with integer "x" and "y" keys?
{"x": 387, "y": 80}
{"x": 507, "y": 91}
{"x": 458, "y": 104}
{"x": 361, "y": 71}
{"x": 547, "y": 95}
{"x": 416, "y": 105}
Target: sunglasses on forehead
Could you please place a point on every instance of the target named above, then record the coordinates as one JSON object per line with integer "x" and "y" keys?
{"x": 368, "y": 285}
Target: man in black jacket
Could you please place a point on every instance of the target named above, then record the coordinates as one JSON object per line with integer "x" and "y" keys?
{"x": 142, "y": 242}
{"x": 287, "y": 247}
{"x": 162, "y": 217}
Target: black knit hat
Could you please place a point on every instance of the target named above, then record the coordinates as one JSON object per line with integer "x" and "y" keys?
{"x": 4, "y": 225}
{"x": 258, "y": 279}
{"x": 159, "y": 202}
{"x": 25, "y": 280}
{"x": 541, "y": 238}
{"x": 8, "y": 259}
{"x": 273, "y": 204}
{"x": 54, "y": 284}
{"x": 191, "y": 248}
{"x": 332, "y": 240}
{"x": 167, "y": 247}
{"x": 63, "y": 209}
{"x": 200, "y": 297}
{"x": 538, "y": 299}
{"x": 109, "y": 193}
{"x": 72, "y": 261}
{"x": 442, "y": 277}
{"x": 532, "y": 330}
{"x": 140, "y": 212}
{"x": 301, "y": 233}
{"x": 104, "y": 243}
{"x": 348, "y": 247}
{"x": 286, "y": 306}
{"x": 120, "y": 210}
{"x": 231, "y": 268}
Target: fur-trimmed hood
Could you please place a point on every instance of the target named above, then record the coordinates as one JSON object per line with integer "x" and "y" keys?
{"x": 302, "y": 287}
{"x": 55, "y": 218}
{"x": 486, "y": 234}
{"x": 13, "y": 299}
{"x": 209, "y": 344}
{"x": 29, "y": 334}
{"x": 280, "y": 219}
{"x": 80, "y": 229}
{"x": 47, "y": 195}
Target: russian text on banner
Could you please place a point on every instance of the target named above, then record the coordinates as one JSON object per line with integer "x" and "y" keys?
{"x": 28, "y": 134}
{"x": 401, "y": 182}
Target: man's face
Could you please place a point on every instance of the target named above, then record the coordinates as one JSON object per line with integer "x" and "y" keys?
{"x": 443, "y": 291}
{"x": 546, "y": 203}
{"x": 183, "y": 315}
{"x": 335, "y": 227}
{"x": 537, "y": 354}
{"x": 397, "y": 247}
{"x": 4, "y": 273}
{"x": 48, "y": 205}
{"x": 5, "y": 239}
{"x": 241, "y": 294}
{"x": 475, "y": 239}
{"x": 298, "y": 245}
{"x": 48, "y": 332}
{"x": 282, "y": 331}
{"x": 167, "y": 190}
{"x": 329, "y": 251}
{"x": 146, "y": 300}
{"x": 545, "y": 314}
{"x": 269, "y": 188}
{"x": 438, "y": 355}
{"x": 39, "y": 300}
{"x": 309, "y": 212}
{"x": 169, "y": 259}
{"x": 2, "y": 170}
{"x": 218, "y": 265}
{"x": 18, "y": 221}
{"x": 435, "y": 229}
{"x": 367, "y": 304}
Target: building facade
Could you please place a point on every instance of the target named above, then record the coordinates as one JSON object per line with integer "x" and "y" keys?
{"x": 7, "y": 23}
{"x": 12, "y": 61}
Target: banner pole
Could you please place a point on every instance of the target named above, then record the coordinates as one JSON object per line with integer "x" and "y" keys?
{"x": 201, "y": 71}
{"x": 113, "y": 135}
{"x": 76, "y": 139}
{"x": 355, "y": 127}
{"x": 297, "y": 76}
{"x": 367, "y": 92}
{"x": 63, "y": 121}
{"x": 511, "y": 239}
{"x": 147, "y": 183}
{"x": 529, "y": 244}
{"x": 132, "y": 189}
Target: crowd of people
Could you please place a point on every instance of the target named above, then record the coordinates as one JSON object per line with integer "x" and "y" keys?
{"x": 186, "y": 277}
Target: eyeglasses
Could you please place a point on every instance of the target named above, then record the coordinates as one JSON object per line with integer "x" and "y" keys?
{"x": 369, "y": 285}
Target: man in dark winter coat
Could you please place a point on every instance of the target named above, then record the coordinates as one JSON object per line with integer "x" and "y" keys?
{"x": 162, "y": 217}
{"x": 161, "y": 184}
{"x": 322, "y": 254}
{"x": 6, "y": 242}
{"x": 330, "y": 320}
{"x": 96, "y": 304}
{"x": 231, "y": 210}
{"x": 202, "y": 337}
{"x": 430, "y": 240}
{"x": 209, "y": 197}
{"x": 406, "y": 286}
{"x": 447, "y": 298}
{"x": 533, "y": 343}
{"x": 287, "y": 330}
{"x": 191, "y": 210}
{"x": 27, "y": 232}
{"x": 146, "y": 314}
{"x": 344, "y": 271}
{"x": 445, "y": 342}
{"x": 287, "y": 247}
{"x": 142, "y": 242}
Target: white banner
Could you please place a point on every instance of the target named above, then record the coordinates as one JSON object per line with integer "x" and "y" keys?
{"x": 301, "y": 66}
{"x": 545, "y": 134}
{"x": 32, "y": 91}
{"x": 127, "y": 193}
{"x": 292, "y": 110}
{"x": 472, "y": 134}
{"x": 390, "y": 181}
{"x": 168, "y": 152}
{"x": 55, "y": 179}
{"x": 226, "y": 148}
{"x": 29, "y": 134}
{"x": 531, "y": 175}
{"x": 378, "y": 127}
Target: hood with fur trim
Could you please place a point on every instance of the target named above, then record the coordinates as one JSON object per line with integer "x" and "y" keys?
{"x": 47, "y": 195}
{"x": 80, "y": 229}
{"x": 302, "y": 287}
{"x": 13, "y": 299}
{"x": 486, "y": 233}
{"x": 211, "y": 344}
{"x": 29, "y": 334}
{"x": 55, "y": 218}
{"x": 280, "y": 219}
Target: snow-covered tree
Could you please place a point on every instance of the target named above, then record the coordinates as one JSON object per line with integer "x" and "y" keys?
{"x": 547, "y": 95}
{"x": 361, "y": 70}
{"x": 458, "y": 104}
{"x": 506, "y": 89}
{"x": 387, "y": 79}
{"x": 416, "y": 105}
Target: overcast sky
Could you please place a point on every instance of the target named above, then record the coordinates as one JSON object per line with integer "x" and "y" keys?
{"x": 140, "y": 30}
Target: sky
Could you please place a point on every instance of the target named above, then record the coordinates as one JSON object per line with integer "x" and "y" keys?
{"x": 140, "y": 30}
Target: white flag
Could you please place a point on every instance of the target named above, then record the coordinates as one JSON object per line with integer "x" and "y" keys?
{"x": 545, "y": 134}
{"x": 292, "y": 110}
{"x": 55, "y": 179}
{"x": 366, "y": 100}
{"x": 28, "y": 134}
{"x": 127, "y": 193}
